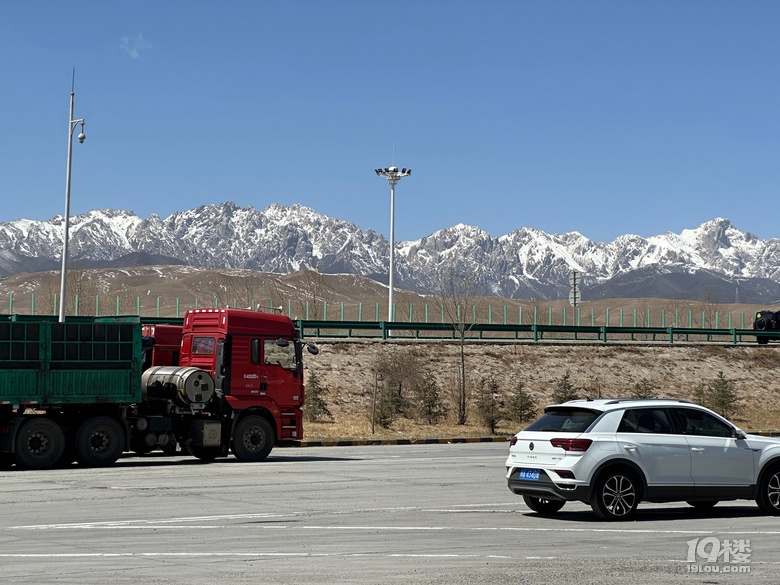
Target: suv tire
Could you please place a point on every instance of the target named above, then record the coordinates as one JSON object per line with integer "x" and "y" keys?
{"x": 769, "y": 491}
{"x": 616, "y": 495}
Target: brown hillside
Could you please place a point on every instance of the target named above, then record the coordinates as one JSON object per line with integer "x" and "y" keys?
{"x": 347, "y": 367}
{"x": 347, "y": 370}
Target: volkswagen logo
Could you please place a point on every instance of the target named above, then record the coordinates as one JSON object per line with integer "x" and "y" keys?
{"x": 531, "y": 446}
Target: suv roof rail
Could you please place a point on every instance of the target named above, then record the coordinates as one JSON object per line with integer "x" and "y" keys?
{"x": 619, "y": 400}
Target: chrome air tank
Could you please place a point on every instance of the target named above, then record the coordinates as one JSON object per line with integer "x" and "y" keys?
{"x": 185, "y": 386}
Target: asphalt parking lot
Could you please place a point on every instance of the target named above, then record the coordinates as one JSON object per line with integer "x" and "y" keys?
{"x": 368, "y": 514}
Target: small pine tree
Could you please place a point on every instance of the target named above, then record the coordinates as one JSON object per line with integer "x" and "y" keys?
{"x": 489, "y": 403}
{"x": 521, "y": 405}
{"x": 428, "y": 399}
{"x": 720, "y": 395}
{"x": 643, "y": 389}
{"x": 388, "y": 404}
{"x": 315, "y": 408}
{"x": 564, "y": 389}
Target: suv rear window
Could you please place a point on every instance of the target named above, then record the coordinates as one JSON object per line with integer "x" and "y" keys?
{"x": 570, "y": 420}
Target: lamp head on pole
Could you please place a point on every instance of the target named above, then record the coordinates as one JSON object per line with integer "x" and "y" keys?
{"x": 392, "y": 174}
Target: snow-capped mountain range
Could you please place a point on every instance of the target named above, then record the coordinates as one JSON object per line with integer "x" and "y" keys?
{"x": 525, "y": 263}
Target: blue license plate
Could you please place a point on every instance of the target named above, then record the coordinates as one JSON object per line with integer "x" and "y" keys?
{"x": 532, "y": 474}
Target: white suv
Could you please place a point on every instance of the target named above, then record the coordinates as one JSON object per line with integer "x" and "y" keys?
{"x": 613, "y": 454}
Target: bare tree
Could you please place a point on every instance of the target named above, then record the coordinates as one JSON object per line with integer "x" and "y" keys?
{"x": 312, "y": 294}
{"x": 455, "y": 293}
{"x": 219, "y": 289}
{"x": 45, "y": 295}
{"x": 536, "y": 307}
{"x": 400, "y": 368}
{"x": 246, "y": 288}
{"x": 708, "y": 306}
{"x": 81, "y": 289}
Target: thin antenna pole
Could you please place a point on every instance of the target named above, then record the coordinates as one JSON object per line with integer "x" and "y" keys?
{"x": 73, "y": 84}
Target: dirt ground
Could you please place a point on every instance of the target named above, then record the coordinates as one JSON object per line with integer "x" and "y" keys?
{"x": 346, "y": 369}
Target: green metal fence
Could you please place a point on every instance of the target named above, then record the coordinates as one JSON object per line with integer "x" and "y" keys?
{"x": 157, "y": 306}
{"x": 533, "y": 332}
{"x": 528, "y": 321}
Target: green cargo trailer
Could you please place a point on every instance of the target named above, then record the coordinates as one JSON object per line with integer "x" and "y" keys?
{"x": 73, "y": 363}
{"x": 65, "y": 388}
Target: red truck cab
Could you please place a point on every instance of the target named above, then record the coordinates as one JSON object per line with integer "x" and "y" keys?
{"x": 167, "y": 345}
{"x": 255, "y": 359}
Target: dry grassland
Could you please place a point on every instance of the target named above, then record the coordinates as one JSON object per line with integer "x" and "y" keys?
{"x": 346, "y": 368}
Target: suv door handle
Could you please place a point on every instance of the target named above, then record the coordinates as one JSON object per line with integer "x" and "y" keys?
{"x": 629, "y": 448}
{"x": 697, "y": 449}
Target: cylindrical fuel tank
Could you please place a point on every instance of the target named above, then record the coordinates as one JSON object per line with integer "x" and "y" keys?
{"x": 185, "y": 386}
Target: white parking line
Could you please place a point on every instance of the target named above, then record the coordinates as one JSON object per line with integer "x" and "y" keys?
{"x": 185, "y": 523}
{"x": 144, "y": 522}
{"x": 253, "y": 555}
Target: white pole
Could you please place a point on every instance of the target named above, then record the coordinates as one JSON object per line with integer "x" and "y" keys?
{"x": 392, "y": 249}
{"x": 393, "y": 175}
{"x": 67, "y": 215}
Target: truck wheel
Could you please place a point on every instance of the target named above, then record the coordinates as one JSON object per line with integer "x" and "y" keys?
{"x": 99, "y": 442}
{"x": 40, "y": 443}
{"x": 253, "y": 439}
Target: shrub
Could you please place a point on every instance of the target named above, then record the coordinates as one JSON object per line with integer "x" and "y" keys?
{"x": 315, "y": 408}
{"x": 428, "y": 400}
{"x": 385, "y": 408}
{"x": 564, "y": 389}
{"x": 489, "y": 403}
{"x": 720, "y": 395}
{"x": 643, "y": 389}
{"x": 521, "y": 406}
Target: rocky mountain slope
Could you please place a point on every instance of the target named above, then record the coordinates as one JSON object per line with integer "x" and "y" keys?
{"x": 714, "y": 258}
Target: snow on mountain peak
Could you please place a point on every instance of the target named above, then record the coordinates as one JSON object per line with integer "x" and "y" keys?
{"x": 523, "y": 263}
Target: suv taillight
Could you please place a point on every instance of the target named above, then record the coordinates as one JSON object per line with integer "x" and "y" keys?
{"x": 571, "y": 444}
{"x": 513, "y": 441}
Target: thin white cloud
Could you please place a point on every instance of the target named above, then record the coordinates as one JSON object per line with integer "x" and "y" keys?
{"x": 134, "y": 45}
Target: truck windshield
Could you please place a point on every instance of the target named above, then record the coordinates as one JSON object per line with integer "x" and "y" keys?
{"x": 276, "y": 355}
{"x": 204, "y": 345}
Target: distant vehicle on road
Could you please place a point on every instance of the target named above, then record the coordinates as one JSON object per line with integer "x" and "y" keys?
{"x": 614, "y": 454}
{"x": 767, "y": 321}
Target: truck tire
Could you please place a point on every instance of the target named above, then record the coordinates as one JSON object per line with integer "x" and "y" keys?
{"x": 39, "y": 443}
{"x": 253, "y": 439}
{"x": 99, "y": 442}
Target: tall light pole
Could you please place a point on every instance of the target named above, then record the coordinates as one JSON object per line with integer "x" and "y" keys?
{"x": 71, "y": 127}
{"x": 393, "y": 175}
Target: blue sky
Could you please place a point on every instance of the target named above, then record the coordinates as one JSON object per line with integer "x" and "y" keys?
{"x": 604, "y": 117}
